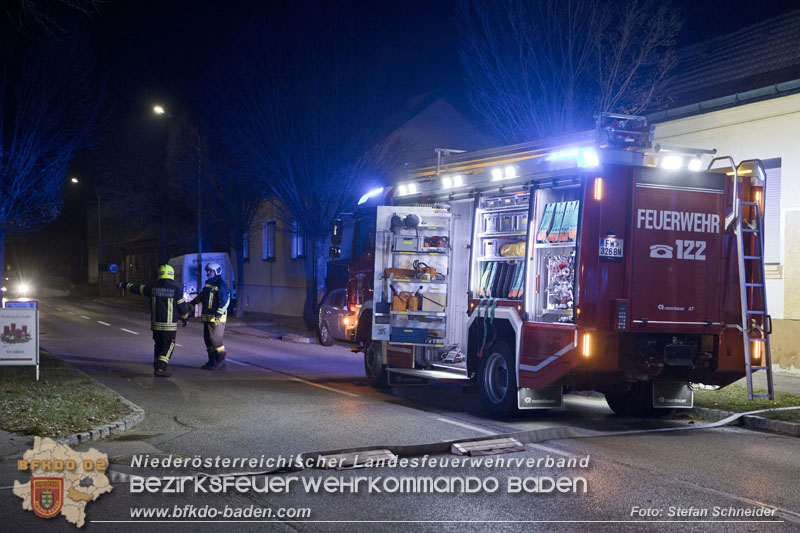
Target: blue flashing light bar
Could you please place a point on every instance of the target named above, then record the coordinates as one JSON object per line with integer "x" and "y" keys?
{"x": 370, "y": 194}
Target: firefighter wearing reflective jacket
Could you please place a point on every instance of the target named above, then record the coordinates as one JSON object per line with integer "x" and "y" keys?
{"x": 166, "y": 307}
{"x": 214, "y": 298}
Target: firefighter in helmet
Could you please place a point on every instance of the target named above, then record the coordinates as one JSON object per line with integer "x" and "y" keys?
{"x": 167, "y": 306}
{"x": 215, "y": 299}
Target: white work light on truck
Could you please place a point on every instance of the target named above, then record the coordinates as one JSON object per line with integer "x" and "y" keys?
{"x": 497, "y": 174}
{"x": 449, "y": 182}
{"x": 672, "y": 162}
{"x": 695, "y": 165}
{"x": 589, "y": 158}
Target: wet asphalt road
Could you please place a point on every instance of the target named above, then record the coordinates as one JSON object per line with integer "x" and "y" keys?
{"x": 279, "y": 399}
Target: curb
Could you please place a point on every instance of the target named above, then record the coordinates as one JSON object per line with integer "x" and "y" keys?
{"x": 751, "y": 421}
{"x": 106, "y": 430}
{"x": 748, "y": 421}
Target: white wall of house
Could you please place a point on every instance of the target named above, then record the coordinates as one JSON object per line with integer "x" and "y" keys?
{"x": 274, "y": 283}
{"x": 763, "y": 130}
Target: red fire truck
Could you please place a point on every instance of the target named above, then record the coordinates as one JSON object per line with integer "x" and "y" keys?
{"x": 591, "y": 261}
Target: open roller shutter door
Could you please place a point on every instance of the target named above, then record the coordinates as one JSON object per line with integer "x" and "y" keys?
{"x": 772, "y": 212}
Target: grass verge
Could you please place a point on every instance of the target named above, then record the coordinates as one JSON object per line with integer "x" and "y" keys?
{"x": 62, "y": 402}
{"x": 734, "y": 398}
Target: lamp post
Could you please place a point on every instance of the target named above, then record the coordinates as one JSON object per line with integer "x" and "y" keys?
{"x": 99, "y": 237}
{"x": 161, "y": 111}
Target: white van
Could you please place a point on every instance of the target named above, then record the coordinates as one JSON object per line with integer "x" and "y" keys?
{"x": 186, "y": 272}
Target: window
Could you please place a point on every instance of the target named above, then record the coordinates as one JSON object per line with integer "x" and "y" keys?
{"x": 298, "y": 241}
{"x": 364, "y": 235}
{"x": 246, "y": 245}
{"x": 268, "y": 241}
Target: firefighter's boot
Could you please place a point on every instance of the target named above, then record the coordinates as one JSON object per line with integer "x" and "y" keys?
{"x": 161, "y": 370}
{"x": 212, "y": 360}
{"x": 220, "y": 361}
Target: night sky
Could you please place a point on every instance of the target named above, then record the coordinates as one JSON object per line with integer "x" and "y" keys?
{"x": 159, "y": 50}
{"x": 150, "y": 51}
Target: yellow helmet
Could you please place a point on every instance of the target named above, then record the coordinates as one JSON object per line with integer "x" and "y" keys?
{"x": 166, "y": 272}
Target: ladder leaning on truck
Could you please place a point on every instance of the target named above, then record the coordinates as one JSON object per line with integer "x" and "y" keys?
{"x": 591, "y": 261}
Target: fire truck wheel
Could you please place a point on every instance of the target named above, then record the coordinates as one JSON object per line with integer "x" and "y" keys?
{"x": 325, "y": 337}
{"x": 638, "y": 402}
{"x": 374, "y": 367}
{"x": 497, "y": 382}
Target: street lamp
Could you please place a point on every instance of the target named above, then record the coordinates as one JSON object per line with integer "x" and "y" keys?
{"x": 99, "y": 237}
{"x": 161, "y": 111}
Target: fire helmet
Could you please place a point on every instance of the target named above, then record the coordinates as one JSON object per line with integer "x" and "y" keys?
{"x": 215, "y": 268}
{"x": 166, "y": 272}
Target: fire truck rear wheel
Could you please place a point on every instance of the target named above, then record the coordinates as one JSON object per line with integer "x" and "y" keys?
{"x": 637, "y": 401}
{"x": 497, "y": 381}
{"x": 374, "y": 368}
{"x": 325, "y": 337}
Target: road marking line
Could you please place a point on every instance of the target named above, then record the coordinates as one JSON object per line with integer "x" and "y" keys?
{"x": 235, "y": 362}
{"x": 467, "y": 426}
{"x": 176, "y": 344}
{"x": 70, "y": 313}
{"x": 104, "y": 323}
{"x": 59, "y": 308}
{"x": 129, "y": 331}
{"x": 324, "y": 387}
{"x": 86, "y": 317}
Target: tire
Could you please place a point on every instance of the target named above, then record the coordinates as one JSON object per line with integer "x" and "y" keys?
{"x": 325, "y": 337}
{"x": 497, "y": 381}
{"x": 374, "y": 368}
{"x": 636, "y": 402}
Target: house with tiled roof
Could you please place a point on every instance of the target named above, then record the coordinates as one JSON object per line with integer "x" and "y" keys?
{"x": 740, "y": 94}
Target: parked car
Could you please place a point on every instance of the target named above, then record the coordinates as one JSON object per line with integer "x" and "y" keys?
{"x": 335, "y": 320}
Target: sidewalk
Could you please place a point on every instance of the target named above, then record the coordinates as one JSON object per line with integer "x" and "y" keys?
{"x": 782, "y": 381}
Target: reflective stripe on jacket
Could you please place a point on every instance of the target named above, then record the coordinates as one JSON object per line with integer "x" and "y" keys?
{"x": 165, "y": 299}
{"x": 215, "y": 299}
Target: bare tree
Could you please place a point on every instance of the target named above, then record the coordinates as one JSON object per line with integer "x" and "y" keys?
{"x": 47, "y": 110}
{"x": 48, "y": 15}
{"x": 231, "y": 199}
{"x": 303, "y": 115}
{"x": 538, "y": 68}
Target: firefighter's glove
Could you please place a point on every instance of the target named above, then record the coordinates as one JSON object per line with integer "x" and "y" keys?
{"x": 217, "y": 320}
{"x": 184, "y": 322}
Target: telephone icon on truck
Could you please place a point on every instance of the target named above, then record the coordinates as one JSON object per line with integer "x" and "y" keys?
{"x": 661, "y": 251}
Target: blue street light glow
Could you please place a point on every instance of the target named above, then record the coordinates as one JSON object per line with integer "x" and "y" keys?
{"x": 370, "y": 194}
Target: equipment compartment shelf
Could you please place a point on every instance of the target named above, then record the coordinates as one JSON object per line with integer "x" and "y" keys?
{"x": 571, "y": 244}
{"x": 420, "y": 252}
{"x": 504, "y": 209}
{"x": 503, "y": 234}
{"x": 430, "y": 344}
{"x": 421, "y": 313}
{"x": 410, "y": 280}
{"x": 514, "y": 258}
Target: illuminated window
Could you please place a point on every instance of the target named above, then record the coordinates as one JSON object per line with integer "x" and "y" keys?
{"x": 246, "y": 245}
{"x": 298, "y": 241}
{"x": 268, "y": 241}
